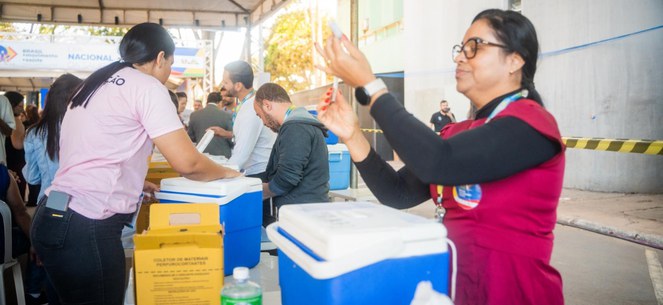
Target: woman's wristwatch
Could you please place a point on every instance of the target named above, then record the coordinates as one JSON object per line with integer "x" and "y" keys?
{"x": 363, "y": 94}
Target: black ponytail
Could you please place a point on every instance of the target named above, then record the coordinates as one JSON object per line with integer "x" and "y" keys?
{"x": 141, "y": 44}
{"x": 516, "y": 32}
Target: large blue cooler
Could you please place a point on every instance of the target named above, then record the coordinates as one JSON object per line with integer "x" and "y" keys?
{"x": 339, "y": 167}
{"x": 240, "y": 209}
{"x": 356, "y": 253}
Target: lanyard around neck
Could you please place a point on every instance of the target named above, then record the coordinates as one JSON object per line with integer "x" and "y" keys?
{"x": 287, "y": 113}
{"x": 239, "y": 105}
{"x": 505, "y": 102}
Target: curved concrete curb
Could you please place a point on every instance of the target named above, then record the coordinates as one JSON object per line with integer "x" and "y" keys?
{"x": 650, "y": 240}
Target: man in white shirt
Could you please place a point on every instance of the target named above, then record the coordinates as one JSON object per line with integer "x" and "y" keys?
{"x": 253, "y": 141}
{"x": 7, "y": 125}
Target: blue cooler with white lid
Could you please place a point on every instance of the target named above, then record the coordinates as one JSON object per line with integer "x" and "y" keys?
{"x": 240, "y": 209}
{"x": 339, "y": 166}
{"x": 356, "y": 253}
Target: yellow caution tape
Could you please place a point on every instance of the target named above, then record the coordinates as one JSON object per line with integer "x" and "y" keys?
{"x": 648, "y": 147}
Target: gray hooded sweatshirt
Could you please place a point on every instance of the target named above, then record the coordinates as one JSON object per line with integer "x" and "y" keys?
{"x": 298, "y": 168}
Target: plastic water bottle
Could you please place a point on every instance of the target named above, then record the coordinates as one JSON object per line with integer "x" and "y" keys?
{"x": 242, "y": 291}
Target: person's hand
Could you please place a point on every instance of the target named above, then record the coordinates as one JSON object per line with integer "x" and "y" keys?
{"x": 149, "y": 188}
{"x": 338, "y": 116}
{"x": 351, "y": 66}
{"x": 220, "y": 132}
{"x": 34, "y": 257}
{"x": 14, "y": 175}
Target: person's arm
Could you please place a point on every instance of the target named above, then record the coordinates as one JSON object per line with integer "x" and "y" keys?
{"x": 452, "y": 116}
{"x": 496, "y": 150}
{"x": 399, "y": 190}
{"x": 18, "y": 134}
{"x": 16, "y": 205}
{"x": 31, "y": 171}
{"x": 178, "y": 150}
{"x": 221, "y": 132}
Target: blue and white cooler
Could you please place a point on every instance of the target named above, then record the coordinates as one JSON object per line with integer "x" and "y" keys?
{"x": 356, "y": 253}
{"x": 339, "y": 167}
{"x": 240, "y": 207}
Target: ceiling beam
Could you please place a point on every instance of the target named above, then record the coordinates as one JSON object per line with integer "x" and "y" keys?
{"x": 239, "y": 6}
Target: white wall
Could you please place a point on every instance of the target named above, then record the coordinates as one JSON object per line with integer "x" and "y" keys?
{"x": 610, "y": 90}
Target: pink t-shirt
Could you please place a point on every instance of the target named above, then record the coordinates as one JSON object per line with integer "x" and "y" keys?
{"x": 104, "y": 147}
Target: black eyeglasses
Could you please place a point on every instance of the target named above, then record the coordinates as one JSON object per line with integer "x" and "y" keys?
{"x": 469, "y": 48}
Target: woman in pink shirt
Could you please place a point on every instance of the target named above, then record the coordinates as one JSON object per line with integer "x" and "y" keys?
{"x": 107, "y": 135}
{"x": 495, "y": 179}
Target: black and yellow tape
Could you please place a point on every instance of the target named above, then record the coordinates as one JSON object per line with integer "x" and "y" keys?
{"x": 648, "y": 147}
{"x": 372, "y": 130}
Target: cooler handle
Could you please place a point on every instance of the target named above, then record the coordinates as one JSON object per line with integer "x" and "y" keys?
{"x": 328, "y": 269}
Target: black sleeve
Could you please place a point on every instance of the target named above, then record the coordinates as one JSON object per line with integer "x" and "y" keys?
{"x": 399, "y": 190}
{"x": 493, "y": 151}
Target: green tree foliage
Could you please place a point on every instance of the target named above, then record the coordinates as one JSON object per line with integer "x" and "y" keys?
{"x": 289, "y": 51}
{"x": 7, "y": 27}
{"x": 107, "y": 31}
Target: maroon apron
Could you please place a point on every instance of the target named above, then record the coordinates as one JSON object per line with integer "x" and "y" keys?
{"x": 504, "y": 235}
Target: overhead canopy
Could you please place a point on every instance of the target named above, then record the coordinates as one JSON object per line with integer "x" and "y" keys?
{"x": 214, "y": 14}
{"x": 200, "y": 14}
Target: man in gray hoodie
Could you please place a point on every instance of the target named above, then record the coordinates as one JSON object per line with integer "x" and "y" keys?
{"x": 298, "y": 168}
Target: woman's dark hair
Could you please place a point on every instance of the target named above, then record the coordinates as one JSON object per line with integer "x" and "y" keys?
{"x": 141, "y": 44}
{"x": 240, "y": 72}
{"x": 516, "y": 32}
{"x": 14, "y": 98}
{"x": 56, "y": 106}
{"x": 31, "y": 114}
{"x": 173, "y": 98}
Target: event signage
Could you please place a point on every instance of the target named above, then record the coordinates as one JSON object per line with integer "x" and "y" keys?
{"x": 88, "y": 57}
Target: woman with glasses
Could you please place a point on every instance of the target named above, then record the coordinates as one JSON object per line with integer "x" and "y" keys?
{"x": 496, "y": 179}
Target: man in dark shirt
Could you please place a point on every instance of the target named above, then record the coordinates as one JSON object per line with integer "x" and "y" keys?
{"x": 207, "y": 117}
{"x": 442, "y": 117}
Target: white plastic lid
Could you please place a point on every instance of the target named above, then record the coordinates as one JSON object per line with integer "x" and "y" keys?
{"x": 241, "y": 273}
{"x": 339, "y": 230}
{"x": 337, "y": 148}
{"x": 207, "y": 138}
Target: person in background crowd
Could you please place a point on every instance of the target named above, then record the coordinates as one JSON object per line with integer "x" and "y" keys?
{"x": 441, "y": 118}
{"x": 228, "y": 103}
{"x": 32, "y": 117}
{"x": 13, "y": 144}
{"x": 210, "y": 116}
{"x": 184, "y": 113}
{"x": 7, "y": 126}
{"x": 298, "y": 168}
{"x": 496, "y": 180}
{"x": 106, "y": 137}
{"x": 253, "y": 141}
{"x": 41, "y": 154}
{"x": 197, "y": 105}
{"x": 173, "y": 98}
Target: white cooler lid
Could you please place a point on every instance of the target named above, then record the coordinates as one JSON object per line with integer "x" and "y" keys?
{"x": 331, "y": 239}
{"x": 228, "y": 188}
{"x": 338, "y": 230}
{"x": 337, "y": 148}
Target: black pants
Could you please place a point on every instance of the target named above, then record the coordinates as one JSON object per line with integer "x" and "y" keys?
{"x": 83, "y": 257}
